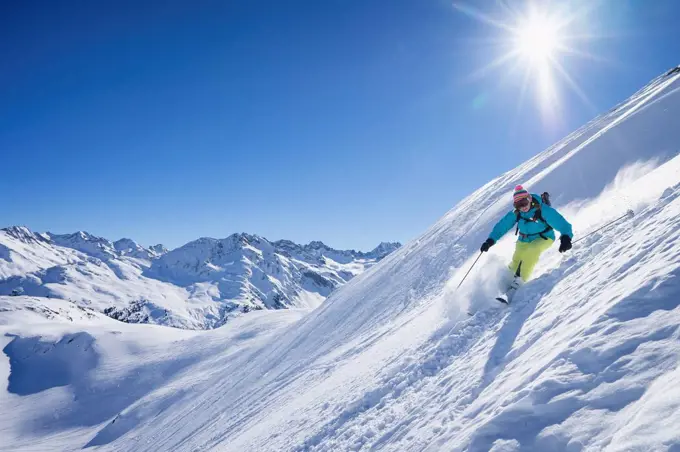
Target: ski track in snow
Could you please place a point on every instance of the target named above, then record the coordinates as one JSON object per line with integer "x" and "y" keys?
{"x": 587, "y": 358}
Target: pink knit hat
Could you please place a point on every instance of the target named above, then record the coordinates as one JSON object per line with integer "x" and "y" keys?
{"x": 520, "y": 193}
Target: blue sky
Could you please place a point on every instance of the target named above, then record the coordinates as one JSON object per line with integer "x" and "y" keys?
{"x": 350, "y": 122}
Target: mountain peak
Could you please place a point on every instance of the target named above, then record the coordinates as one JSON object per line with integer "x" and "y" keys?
{"x": 24, "y": 234}
{"x": 245, "y": 238}
{"x": 124, "y": 243}
{"x": 128, "y": 247}
{"x": 85, "y": 242}
{"x": 384, "y": 248}
{"x": 317, "y": 245}
{"x": 79, "y": 236}
{"x": 158, "y": 249}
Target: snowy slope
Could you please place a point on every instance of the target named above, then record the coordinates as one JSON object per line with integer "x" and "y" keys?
{"x": 197, "y": 286}
{"x": 72, "y": 370}
{"x": 587, "y": 358}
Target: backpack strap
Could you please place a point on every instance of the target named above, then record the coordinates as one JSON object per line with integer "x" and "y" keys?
{"x": 537, "y": 217}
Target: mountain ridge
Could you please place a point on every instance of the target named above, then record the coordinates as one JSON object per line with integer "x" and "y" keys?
{"x": 200, "y": 284}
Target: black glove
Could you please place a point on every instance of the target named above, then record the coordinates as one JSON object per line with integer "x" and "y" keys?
{"x": 565, "y": 243}
{"x": 486, "y": 245}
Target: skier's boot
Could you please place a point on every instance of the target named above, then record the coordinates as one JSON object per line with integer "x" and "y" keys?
{"x": 513, "y": 287}
{"x": 512, "y": 290}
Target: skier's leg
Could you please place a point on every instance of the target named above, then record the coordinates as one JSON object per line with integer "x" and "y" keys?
{"x": 529, "y": 255}
{"x": 517, "y": 258}
{"x": 524, "y": 260}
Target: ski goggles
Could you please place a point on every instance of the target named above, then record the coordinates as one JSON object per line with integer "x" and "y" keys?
{"x": 522, "y": 203}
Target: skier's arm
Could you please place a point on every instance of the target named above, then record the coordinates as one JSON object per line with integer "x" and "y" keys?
{"x": 504, "y": 225}
{"x": 556, "y": 220}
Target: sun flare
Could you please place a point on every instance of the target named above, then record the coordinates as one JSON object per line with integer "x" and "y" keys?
{"x": 534, "y": 47}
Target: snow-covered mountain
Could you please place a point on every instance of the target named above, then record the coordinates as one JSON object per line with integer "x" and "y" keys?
{"x": 128, "y": 247}
{"x": 587, "y": 358}
{"x": 257, "y": 273}
{"x": 199, "y": 285}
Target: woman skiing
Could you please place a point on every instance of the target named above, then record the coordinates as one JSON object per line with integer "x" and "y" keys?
{"x": 535, "y": 220}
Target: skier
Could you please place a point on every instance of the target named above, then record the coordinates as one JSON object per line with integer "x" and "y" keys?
{"x": 535, "y": 220}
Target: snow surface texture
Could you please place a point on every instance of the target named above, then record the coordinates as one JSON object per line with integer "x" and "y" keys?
{"x": 586, "y": 359}
{"x": 200, "y": 285}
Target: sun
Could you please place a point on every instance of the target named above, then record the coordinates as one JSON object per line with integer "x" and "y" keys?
{"x": 535, "y": 43}
{"x": 537, "y": 39}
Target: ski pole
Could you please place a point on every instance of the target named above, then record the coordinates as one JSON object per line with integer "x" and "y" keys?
{"x": 629, "y": 213}
{"x": 468, "y": 272}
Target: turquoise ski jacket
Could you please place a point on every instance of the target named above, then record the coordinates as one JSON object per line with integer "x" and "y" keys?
{"x": 531, "y": 230}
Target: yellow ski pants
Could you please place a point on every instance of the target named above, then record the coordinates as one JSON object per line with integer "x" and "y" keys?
{"x": 526, "y": 255}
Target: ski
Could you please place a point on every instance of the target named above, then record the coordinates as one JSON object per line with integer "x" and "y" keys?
{"x": 503, "y": 300}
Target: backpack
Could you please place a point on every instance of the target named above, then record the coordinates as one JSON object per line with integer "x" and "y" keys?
{"x": 545, "y": 198}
